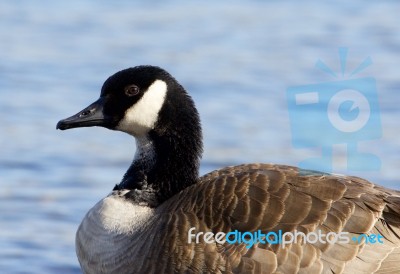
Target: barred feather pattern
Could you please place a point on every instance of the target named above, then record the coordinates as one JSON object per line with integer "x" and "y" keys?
{"x": 254, "y": 197}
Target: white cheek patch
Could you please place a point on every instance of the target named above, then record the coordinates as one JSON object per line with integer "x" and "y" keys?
{"x": 142, "y": 116}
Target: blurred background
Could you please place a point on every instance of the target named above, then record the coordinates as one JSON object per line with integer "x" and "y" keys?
{"x": 236, "y": 59}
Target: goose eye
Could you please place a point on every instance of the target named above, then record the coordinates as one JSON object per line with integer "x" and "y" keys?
{"x": 131, "y": 90}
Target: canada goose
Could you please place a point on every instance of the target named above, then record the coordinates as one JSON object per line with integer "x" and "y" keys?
{"x": 146, "y": 224}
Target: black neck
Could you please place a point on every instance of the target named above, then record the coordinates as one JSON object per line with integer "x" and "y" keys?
{"x": 167, "y": 159}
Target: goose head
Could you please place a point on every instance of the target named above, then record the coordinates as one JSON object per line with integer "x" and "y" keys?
{"x": 149, "y": 104}
{"x": 130, "y": 101}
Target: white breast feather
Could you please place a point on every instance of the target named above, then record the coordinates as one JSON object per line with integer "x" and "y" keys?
{"x": 120, "y": 215}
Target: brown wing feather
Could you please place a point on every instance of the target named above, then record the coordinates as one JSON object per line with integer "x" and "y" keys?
{"x": 273, "y": 197}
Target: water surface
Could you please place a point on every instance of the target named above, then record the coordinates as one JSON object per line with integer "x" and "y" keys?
{"x": 236, "y": 60}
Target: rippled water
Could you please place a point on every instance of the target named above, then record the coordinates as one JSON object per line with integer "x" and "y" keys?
{"x": 237, "y": 60}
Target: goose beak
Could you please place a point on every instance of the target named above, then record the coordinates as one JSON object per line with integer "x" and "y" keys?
{"x": 88, "y": 117}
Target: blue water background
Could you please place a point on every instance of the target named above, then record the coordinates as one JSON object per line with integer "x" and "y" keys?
{"x": 236, "y": 59}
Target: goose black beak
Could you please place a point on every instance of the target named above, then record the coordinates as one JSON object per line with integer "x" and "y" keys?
{"x": 88, "y": 117}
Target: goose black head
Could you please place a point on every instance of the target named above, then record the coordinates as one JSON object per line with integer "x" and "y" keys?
{"x": 148, "y": 103}
{"x": 131, "y": 101}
